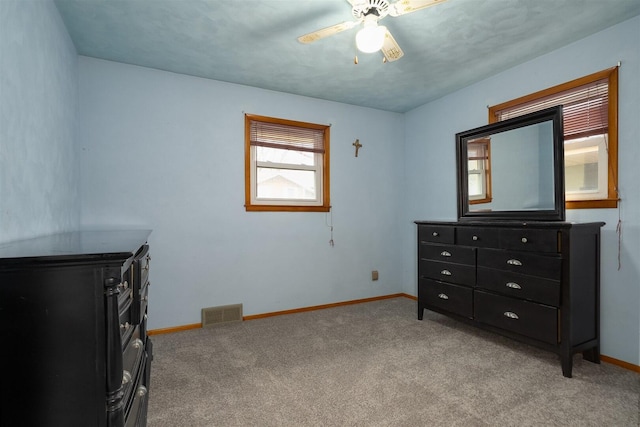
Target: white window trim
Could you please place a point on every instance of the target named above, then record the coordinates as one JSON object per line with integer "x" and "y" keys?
{"x": 317, "y": 168}
{"x": 579, "y": 145}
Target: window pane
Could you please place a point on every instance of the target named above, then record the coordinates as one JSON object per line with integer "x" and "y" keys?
{"x": 475, "y": 185}
{"x": 286, "y": 184}
{"x": 276, "y": 155}
{"x": 475, "y": 165}
{"x": 586, "y": 168}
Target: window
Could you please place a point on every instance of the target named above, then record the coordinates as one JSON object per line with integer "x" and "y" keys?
{"x": 479, "y": 153}
{"x": 286, "y": 165}
{"x": 590, "y": 109}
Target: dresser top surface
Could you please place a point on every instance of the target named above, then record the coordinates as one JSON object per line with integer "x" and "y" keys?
{"x": 513, "y": 223}
{"x": 85, "y": 245}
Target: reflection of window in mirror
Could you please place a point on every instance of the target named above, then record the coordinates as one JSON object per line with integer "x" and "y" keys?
{"x": 479, "y": 170}
{"x": 590, "y": 119}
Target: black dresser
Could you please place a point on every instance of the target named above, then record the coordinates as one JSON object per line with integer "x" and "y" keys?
{"x": 537, "y": 282}
{"x": 73, "y": 322}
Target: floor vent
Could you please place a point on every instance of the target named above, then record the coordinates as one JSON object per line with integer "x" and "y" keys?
{"x": 223, "y": 314}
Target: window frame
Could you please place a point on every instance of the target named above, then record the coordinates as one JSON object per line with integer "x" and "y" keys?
{"x": 611, "y": 75}
{"x": 486, "y": 171}
{"x": 251, "y": 165}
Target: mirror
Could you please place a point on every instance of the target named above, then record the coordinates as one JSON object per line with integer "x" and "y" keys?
{"x": 513, "y": 169}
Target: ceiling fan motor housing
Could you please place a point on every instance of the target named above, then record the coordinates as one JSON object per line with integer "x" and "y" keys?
{"x": 362, "y": 9}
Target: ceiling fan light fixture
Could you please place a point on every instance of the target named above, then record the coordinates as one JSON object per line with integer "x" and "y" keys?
{"x": 370, "y": 38}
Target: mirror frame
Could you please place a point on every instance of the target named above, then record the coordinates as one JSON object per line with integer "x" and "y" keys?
{"x": 554, "y": 115}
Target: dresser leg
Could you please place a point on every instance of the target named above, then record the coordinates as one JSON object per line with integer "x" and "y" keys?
{"x": 567, "y": 364}
{"x": 420, "y": 311}
{"x": 592, "y": 355}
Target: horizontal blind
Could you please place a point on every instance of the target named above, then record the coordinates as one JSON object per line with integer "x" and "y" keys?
{"x": 477, "y": 151}
{"x": 585, "y": 108}
{"x": 286, "y": 137}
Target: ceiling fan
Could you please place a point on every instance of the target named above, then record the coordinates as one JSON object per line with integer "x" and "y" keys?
{"x": 372, "y": 37}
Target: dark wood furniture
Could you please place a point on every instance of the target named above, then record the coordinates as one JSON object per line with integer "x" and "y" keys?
{"x": 73, "y": 315}
{"x": 537, "y": 282}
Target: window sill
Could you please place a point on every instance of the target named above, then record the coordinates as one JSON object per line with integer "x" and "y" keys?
{"x": 276, "y": 208}
{"x": 592, "y": 204}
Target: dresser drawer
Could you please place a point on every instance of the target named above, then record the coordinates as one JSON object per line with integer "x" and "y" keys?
{"x": 137, "y": 415}
{"x": 132, "y": 367}
{"x": 448, "y": 272}
{"x": 453, "y": 298}
{"x": 531, "y": 288}
{"x": 478, "y": 236}
{"x": 526, "y": 318}
{"x": 125, "y": 322}
{"x": 125, "y": 292}
{"x": 141, "y": 265}
{"x": 140, "y": 303}
{"x": 141, "y": 306}
{"x": 436, "y": 234}
{"x": 527, "y": 263}
{"x": 448, "y": 253}
{"x": 531, "y": 240}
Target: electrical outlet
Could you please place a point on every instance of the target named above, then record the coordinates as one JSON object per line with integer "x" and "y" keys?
{"x": 374, "y": 275}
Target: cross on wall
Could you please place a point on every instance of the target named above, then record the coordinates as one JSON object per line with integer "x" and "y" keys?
{"x": 357, "y": 145}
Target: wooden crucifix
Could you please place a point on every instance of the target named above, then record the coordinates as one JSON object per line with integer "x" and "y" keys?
{"x": 357, "y": 145}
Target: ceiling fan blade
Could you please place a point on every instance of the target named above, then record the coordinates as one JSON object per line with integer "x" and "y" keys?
{"x": 390, "y": 48}
{"x": 402, "y": 7}
{"x": 326, "y": 32}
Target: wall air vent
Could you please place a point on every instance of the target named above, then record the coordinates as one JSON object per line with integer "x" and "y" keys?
{"x": 223, "y": 314}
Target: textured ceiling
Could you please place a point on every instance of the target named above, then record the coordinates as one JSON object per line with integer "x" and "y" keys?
{"x": 448, "y": 46}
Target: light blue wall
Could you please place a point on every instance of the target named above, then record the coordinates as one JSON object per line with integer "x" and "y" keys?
{"x": 39, "y": 167}
{"x": 431, "y": 180}
{"x": 166, "y": 151}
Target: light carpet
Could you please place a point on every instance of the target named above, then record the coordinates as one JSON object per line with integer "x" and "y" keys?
{"x": 375, "y": 364}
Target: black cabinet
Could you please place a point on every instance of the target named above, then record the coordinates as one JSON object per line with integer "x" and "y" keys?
{"x": 73, "y": 315}
{"x": 538, "y": 282}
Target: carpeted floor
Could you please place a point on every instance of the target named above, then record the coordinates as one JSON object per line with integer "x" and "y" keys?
{"x": 375, "y": 364}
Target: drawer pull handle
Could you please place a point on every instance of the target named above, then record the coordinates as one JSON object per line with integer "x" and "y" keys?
{"x": 124, "y": 326}
{"x": 126, "y": 377}
{"x": 513, "y": 285}
{"x": 142, "y": 390}
{"x": 445, "y": 272}
{"x": 443, "y": 296}
{"x": 511, "y": 315}
{"x": 124, "y": 285}
{"x": 435, "y": 234}
{"x": 524, "y": 240}
{"x": 514, "y": 261}
{"x": 445, "y": 253}
{"x": 474, "y": 238}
